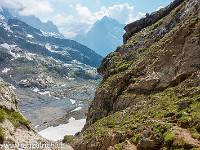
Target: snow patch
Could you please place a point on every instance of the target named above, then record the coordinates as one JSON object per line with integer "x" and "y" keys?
{"x": 31, "y": 54}
{"x": 6, "y": 27}
{"x": 78, "y": 108}
{"x": 12, "y": 87}
{"x": 5, "y": 70}
{"x": 29, "y": 36}
{"x": 58, "y": 133}
{"x": 48, "y": 46}
{"x": 25, "y": 80}
{"x": 72, "y": 101}
{"x": 71, "y": 79}
{"x": 37, "y": 126}
{"x": 15, "y": 25}
{"x": 67, "y": 65}
{"x": 10, "y": 47}
{"x": 44, "y": 93}
{"x": 2, "y": 17}
{"x": 28, "y": 57}
{"x": 7, "y": 46}
{"x": 36, "y": 90}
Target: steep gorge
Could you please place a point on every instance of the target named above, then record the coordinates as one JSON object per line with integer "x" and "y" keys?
{"x": 150, "y": 94}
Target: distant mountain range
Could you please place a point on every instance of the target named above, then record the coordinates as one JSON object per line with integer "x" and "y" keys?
{"x": 48, "y": 28}
{"x": 105, "y": 35}
{"x": 42, "y": 69}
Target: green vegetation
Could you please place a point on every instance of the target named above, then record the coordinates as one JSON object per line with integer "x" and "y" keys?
{"x": 120, "y": 146}
{"x": 2, "y": 115}
{"x": 155, "y": 116}
{"x": 84, "y": 75}
{"x": 17, "y": 119}
{"x": 120, "y": 67}
{"x": 161, "y": 115}
{"x": 68, "y": 139}
{"x": 14, "y": 117}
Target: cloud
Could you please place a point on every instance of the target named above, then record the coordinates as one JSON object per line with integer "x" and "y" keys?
{"x": 159, "y": 8}
{"x": 139, "y": 15}
{"x": 61, "y": 19}
{"x": 122, "y": 13}
{"x": 28, "y": 7}
{"x": 67, "y": 33}
{"x": 70, "y": 25}
{"x": 11, "y": 4}
{"x": 83, "y": 12}
{"x": 83, "y": 18}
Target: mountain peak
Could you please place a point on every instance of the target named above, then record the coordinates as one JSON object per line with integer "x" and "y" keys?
{"x": 105, "y": 18}
{"x": 104, "y": 37}
{"x": 109, "y": 20}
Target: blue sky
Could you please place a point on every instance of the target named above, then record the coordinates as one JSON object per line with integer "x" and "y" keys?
{"x": 77, "y": 16}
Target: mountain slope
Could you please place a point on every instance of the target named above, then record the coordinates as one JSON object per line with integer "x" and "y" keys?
{"x": 47, "y": 28}
{"x": 149, "y": 96}
{"x": 15, "y": 130}
{"x": 104, "y": 36}
{"x": 47, "y": 73}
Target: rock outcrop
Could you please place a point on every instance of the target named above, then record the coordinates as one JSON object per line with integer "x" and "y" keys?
{"x": 15, "y": 131}
{"x": 150, "y": 89}
{"x": 8, "y": 99}
{"x": 138, "y": 25}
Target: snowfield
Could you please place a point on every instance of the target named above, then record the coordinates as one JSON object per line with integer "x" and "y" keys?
{"x": 58, "y": 133}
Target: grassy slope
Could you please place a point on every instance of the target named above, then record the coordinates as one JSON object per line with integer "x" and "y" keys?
{"x": 166, "y": 118}
{"x": 160, "y": 115}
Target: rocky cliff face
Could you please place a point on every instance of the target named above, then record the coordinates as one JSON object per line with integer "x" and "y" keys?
{"x": 138, "y": 25}
{"x": 149, "y": 96}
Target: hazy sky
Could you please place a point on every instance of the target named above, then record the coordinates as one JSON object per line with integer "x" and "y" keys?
{"x": 74, "y": 16}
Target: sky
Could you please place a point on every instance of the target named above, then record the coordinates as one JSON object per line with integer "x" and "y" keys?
{"x": 74, "y": 17}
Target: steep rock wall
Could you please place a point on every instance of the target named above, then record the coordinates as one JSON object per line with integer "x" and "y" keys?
{"x": 138, "y": 25}
{"x": 160, "y": 56}
{"x": 149, "y": 96}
